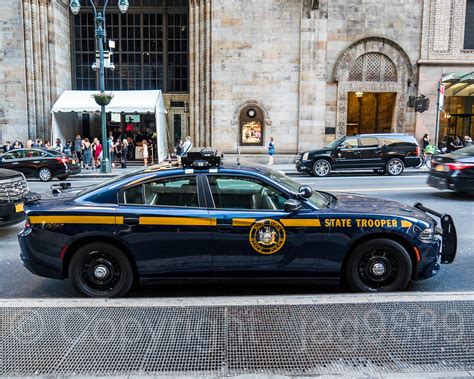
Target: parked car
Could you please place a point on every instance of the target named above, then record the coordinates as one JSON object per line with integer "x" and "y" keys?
{"x": 454, "y": 171}
{"x": 383, "y": 153}
{"x": 39, "y": 163}
{"x": 14, "y": 193}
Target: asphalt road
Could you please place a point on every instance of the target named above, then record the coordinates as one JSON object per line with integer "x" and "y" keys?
{"x": 17, "y": 282}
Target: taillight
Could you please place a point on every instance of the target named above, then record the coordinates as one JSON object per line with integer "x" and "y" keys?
{"x": 418, "y": 151}
{"x": 27, "y": 223}
{"x": 458, "y": 166}
{"x": 63, "y": 160}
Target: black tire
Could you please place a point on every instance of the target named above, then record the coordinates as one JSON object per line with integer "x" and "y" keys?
{"x": 321, "y": 168}
{"x": 63, "y": 177}
{"x": 379, "y": 265}
{"x": 44, "y": 174}
{"x": 394, "y": 167}
{"x": 93, "y": 260}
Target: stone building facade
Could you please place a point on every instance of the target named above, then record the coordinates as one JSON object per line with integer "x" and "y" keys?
{"x": 302, "y": 71}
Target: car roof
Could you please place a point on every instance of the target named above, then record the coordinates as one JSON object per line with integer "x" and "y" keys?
{"x": 383, "y": 135}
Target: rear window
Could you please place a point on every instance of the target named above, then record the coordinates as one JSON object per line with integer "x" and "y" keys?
{"x": 391, "y": 141}
{"x": 467, "y": 151}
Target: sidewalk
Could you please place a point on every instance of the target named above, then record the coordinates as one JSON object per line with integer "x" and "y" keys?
{"x": 287, "y": 168}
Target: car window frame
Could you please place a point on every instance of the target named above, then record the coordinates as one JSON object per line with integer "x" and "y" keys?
{"x": 210, "y": 198}
{"x": 202, "y": 204}
{"x": 361, "y": 145}
{"x": 340, "y": 146}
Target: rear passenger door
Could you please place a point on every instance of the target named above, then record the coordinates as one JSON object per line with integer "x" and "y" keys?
{"x": 371, "y": 152}
{"x": 166, "y": 225}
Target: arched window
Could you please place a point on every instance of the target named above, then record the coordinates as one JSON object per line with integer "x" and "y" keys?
{"x": 373, "y": 67}
{"x": 251, "y": 122}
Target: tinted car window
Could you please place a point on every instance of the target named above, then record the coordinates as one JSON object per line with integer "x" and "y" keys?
{"x": 350, "y": 143}
{"x": 15, "y": 154}
{"x": 369, "y": 142}
{"x": 233, "y": 192}
{"x": 177, "y": 192}
{"x": 34, "y": 154}
{"x": 392, "y": 141}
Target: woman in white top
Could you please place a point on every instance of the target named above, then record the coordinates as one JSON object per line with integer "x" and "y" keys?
{"x": 145, "y": 153}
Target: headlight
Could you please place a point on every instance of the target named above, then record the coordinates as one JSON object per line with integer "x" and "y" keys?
{"x": 427, "y": 234}
{"x": 305, "y": 156}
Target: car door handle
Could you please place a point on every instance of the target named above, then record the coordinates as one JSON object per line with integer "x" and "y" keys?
{"x": 131, "y": 220}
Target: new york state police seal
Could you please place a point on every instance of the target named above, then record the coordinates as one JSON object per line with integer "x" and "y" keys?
{"x": 267, "y": 236}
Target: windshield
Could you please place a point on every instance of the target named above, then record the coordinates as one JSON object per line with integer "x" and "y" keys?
{"x": 333, "y": 144}
{"x": 319, "y": 200}
{"x": 467, "y": 151}
{"x": 102, "y": 184}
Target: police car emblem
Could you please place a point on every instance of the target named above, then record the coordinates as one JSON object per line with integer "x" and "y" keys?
{"x": 267, "y": 236}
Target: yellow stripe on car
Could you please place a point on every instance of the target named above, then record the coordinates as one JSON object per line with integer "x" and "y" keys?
{"x": 73, "y": 220}
{"x": 300, "y": 222}
{"x": 184, "y": 221}
{"x": 406, "y": 224}
{"x": 242, "y": 221}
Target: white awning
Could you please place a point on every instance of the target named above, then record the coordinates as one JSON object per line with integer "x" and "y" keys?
{"x": 123, "y": 101}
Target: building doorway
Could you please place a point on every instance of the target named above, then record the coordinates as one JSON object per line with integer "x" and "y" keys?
{"x": 370, "y": 112}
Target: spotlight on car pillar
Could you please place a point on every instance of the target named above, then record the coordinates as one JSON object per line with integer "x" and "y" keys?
{"x": 75, "y": 6}
{"x": 123, "y": 5}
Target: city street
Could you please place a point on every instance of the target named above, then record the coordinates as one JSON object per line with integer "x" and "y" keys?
{"x": 17, "y": 282}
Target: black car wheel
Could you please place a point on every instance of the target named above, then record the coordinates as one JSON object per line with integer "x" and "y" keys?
{"x": 63, "y": 177}
{"x": 380, "y": 265}
{"x": 101, "y": 270}
{"x": 394, "y": 167}
{"x": 321, "y": 168}
{"x": 44, "y": 174}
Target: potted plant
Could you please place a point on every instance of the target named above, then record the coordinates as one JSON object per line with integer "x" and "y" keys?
{"x": 103, "y": 99}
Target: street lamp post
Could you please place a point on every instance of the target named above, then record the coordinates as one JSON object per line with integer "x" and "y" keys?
{"x": 99, "y": 21}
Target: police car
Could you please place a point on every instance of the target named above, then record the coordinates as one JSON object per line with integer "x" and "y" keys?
{"x": 209, "y": 219}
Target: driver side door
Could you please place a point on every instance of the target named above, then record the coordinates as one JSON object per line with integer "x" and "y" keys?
{"x": 253, "y": 235}
{"x": 348, "y": 154}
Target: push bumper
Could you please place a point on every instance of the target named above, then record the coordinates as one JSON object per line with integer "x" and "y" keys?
{"x": 447, "y": 231}
{"x": 303, "y": 166}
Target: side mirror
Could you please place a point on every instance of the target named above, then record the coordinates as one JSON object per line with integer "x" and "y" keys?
{"x": 291, "y": 205}
{"x": 306, "y": 191}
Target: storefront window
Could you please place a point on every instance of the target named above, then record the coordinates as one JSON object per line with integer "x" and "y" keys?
{"x": 251, "y": 126}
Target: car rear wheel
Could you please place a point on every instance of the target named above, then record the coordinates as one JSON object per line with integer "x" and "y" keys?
{"x": 321, "y": 168}
{"x": 44, "y": 174}
{"x": 379, "y": 265}
{"x": 101, "y": 270}
{"x": 394, "y": 167}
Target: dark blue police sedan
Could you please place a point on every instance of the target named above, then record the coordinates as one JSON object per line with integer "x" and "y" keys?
{"x": 230, "y": 221}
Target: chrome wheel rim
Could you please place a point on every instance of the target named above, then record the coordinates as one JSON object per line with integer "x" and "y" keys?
{"x": 321, "y": 168}
{"x": 44, "y": 174}
{"x": 395, "y": 167}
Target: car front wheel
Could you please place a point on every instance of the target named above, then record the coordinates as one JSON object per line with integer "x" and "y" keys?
{"x": 379, "y": 265}
{"x": 321, "y": 168}
{"x": 101, "y": 270}
{"x": 44, "y": 174}
{"x": 394, "y": 167}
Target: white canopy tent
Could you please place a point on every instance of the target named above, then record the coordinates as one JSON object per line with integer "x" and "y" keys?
{"x": 64, "y": 120}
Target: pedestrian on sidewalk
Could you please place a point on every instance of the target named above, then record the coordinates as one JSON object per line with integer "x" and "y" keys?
{"x": 187, "y": 145}
{"x": 87, "y": 153}
{"x": 426, "y": 141}
{"x": 124, "y": 153}
{"x": 271, "y": 151}
{"x": 58, "y": 146}
{"x": 145, "y": 153}
{"x": 467, "y": 141}
{"x": 78, "y": 143}
{"x": 67, "y": 149}
{"x": 97, "y": 153}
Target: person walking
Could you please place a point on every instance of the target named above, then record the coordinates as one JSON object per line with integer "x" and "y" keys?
{"x": 67, "y": 149}
{"x": 187, "y": 145}
{"x": 97, "y": 153}
{"x": 271, "y": 151}
{"x": 17, "y": 145}
{"x": 467, "y": 141}
{"x": 145, "y": 153}
{"x": 58, "y": 145}
{"x": 117, "y": 152}
{"x": 46, "y": 145}
{"x": 87, "y": 153}
{"x": 124, "y": 153}
{"x": 29, "y": 144}
{"x": 426, "y": 141}
{"x": 7, "y": 147}
{"x": 78, "y": 148}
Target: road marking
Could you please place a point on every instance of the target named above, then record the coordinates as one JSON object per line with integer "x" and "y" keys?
{"x": 381, "y": 189}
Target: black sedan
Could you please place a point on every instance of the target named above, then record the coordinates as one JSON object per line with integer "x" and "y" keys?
{"x": 454, "y": 171}
{"x": 39, "y": 163}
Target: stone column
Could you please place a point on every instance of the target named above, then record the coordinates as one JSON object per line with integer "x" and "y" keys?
{"x": 312, "y": 94}
{"x": 200, "y": 59}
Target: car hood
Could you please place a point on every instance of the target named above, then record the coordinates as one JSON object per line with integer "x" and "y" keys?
{"x": 7, "y": 174}
{"x": 353, "y": 203}
{"x": 323, "y": 151}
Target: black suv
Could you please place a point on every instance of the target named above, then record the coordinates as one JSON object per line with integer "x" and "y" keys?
{"x": 383, "y": 153}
